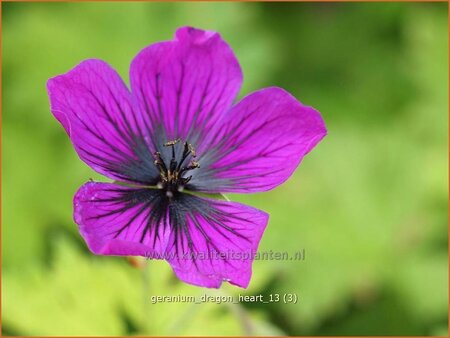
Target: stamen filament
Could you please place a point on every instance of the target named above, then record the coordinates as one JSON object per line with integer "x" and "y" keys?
{"x": 185, "y": 155}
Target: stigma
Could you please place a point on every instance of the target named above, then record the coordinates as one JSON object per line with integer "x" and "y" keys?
{"x": 173, "y": 173}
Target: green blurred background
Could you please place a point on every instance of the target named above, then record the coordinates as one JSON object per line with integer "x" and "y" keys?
{"x": 368, "y": 205}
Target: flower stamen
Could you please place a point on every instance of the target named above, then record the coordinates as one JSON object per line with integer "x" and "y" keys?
{"x": 172, "y": 175}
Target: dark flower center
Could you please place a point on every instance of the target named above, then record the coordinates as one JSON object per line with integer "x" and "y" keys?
{"x": 172, "y": 174}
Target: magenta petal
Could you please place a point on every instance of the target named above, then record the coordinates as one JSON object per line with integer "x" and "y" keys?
{"x": 186, "y": 84}
{"x": 259, "y": 143}
{"x": 117, "y": 220}
{"x": 97, "y": 111}
{"x": 216, "y": 242}
{"x": 206, "y": 241}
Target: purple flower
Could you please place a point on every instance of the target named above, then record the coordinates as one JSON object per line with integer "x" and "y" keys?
{"x": 174, "y": 135}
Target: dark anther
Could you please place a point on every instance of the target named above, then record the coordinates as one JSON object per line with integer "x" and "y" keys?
{"x": 172, "y": 173}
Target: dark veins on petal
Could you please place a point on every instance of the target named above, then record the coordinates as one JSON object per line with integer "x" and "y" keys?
{"x": 159, "y": 210}
{"x": 138, "y": 166}
{"x": 192, "y": 122}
